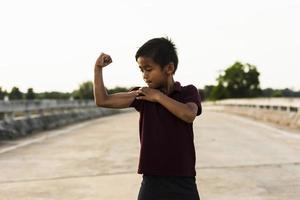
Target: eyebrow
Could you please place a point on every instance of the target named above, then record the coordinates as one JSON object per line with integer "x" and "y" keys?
{"x": 145, "y": 66}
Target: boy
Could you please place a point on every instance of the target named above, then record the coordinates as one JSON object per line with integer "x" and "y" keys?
{"x": 167, "y": 111}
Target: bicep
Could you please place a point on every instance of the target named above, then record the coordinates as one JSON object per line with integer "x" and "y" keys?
{"x": 119, "y": 100}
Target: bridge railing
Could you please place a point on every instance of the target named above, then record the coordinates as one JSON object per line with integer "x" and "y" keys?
{"x": 276, "y": 104}
{"x": 20, "y": 117}
{"x": 33, "y": 108}
{"x": 285, "y": 111}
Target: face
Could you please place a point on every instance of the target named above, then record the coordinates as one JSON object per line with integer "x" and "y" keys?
{"x": 153, "y": 74}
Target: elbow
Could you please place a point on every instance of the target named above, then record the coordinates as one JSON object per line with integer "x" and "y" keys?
{"x": 98, "y": 104}
{"x": 101, "y": 103}
{"x": 191, "y": 113}
{"x": 189, "y": 118}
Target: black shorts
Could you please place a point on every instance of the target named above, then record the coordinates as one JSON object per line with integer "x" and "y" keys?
{"x": 168, "y": 188}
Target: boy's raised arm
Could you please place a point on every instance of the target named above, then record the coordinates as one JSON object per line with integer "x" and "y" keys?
{"x": 102, "y": 99}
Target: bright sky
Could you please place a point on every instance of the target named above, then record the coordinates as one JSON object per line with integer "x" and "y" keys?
{"x": 53, "y": 45}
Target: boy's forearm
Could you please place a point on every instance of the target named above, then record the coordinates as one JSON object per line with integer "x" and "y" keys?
{"x": 179, "y": 109}
{"x": 100, "y": 93}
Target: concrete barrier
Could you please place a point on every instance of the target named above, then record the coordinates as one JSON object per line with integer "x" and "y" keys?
{"x": 283, "y": 111}
{"x": 19, "y": 118}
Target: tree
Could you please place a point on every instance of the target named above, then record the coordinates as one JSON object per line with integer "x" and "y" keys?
{"x": 267, "y": 92}
{"x": 277, "y": 93}
{"x": 219, "y": 92}
{"x": 206, "y": 92}
{"x": 53, "y": 95}
{"x": 85, "y": 91}
{"x": 117, "y": 89}
{"x": 287, "y": 92}
{"x": 2, "y": 94}
{"x": 237, "y": 81}
{"x": 30, "y": 94}
{"x": 15, "y": 94}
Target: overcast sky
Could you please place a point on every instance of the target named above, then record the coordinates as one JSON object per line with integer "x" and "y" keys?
{"x": 53, "y": 45}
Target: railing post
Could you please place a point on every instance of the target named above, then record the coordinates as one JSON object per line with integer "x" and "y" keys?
{"x": 2, "y": 115}
{"x": 9, "y": 116}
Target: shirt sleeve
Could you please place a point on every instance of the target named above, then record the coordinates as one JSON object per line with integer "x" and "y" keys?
{"x": 191, "y": 94}
{"x": 137, "y": 104}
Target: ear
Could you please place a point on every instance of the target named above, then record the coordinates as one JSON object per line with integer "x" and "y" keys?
{"x": 169, "y": 68}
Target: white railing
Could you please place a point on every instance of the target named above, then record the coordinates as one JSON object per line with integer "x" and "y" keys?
{"x": 281, "y": 104}
{"x": 20, "y": 117}
{"x": 284, "y": 111}
{"x": 32, "y": 108}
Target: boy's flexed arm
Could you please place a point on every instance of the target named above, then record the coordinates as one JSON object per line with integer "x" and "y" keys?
{"x": 102, "y": 99}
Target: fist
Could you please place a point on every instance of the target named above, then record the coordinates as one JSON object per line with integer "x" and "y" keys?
{"x": 103, "y": 60}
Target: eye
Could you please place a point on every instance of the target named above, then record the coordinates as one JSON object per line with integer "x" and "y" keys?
{"x": 147, "y": 70}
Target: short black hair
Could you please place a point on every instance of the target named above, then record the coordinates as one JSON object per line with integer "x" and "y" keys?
{"x": 160, "y": 50}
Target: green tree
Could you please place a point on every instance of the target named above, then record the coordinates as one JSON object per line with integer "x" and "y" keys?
{"x": 117, "y": 89}
{"x": 53, "y": 95}
{"x": 237, "y": 81}
{"x": 288, "y": 92}
{"x": 277, "y": 93}
{"x": 2, "y": 94}
{"x": 219, "y": 92}
{"x": 267, "y": 92}
{"x": 85, "y": 91}
{"x": 30, "y": 94}
{"x": 206, "y": 92}
{"x": 15, "y": 94}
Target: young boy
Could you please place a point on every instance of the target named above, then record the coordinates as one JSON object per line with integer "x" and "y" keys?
{"x": 167, "y": 111}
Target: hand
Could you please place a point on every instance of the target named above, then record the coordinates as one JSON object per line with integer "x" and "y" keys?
{"x": 103, "y": 60}
{"x": 149, "y": 94}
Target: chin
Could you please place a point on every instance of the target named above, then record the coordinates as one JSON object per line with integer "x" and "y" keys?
{"x": 150, "y": 85}
{"x": 153, "y": 86}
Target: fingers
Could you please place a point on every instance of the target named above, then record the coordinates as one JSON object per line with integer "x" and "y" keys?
{"x": 140, "y": 92}
{"x": 107, "y": 58}
{"x": 104, "y": 60}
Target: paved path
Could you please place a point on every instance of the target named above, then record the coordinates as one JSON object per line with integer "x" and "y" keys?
{"x": 237, "y": 158}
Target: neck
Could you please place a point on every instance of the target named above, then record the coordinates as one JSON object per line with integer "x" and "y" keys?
{"x": 168, "y": 87}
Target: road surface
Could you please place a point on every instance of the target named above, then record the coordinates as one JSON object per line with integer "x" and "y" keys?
{"x": 236, "y": 158}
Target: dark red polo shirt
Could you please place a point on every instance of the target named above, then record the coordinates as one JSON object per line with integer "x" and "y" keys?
{"x": 167, "y": 142}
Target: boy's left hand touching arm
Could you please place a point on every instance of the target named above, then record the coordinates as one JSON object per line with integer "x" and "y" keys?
{"x": 185, "y": 111}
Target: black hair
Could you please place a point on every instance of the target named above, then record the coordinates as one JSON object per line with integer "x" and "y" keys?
{"x": 161, "y": 50}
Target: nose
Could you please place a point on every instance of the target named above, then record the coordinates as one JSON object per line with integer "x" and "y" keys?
{"x": 145, "y": 76}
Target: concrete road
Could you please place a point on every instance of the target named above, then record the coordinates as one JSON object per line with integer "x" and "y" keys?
{"x": 237, "y": 158}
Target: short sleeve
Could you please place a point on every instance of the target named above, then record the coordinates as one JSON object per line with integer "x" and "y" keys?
{"x": 191, "y": 94}
{"x": 137, "y": 104}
